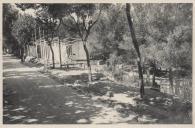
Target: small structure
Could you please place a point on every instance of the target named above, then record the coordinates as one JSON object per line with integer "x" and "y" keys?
{"x": 69, "y": 51}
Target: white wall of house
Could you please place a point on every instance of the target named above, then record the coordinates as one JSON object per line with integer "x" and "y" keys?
{"x": 78, "y": 52}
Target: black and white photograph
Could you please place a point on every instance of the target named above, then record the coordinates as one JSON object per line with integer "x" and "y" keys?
{"x": 97, "y": 63}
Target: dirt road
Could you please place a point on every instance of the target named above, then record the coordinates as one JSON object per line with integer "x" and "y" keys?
{"x": 31, "y": 97}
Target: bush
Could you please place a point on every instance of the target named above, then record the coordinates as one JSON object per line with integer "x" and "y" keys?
{"x": 118, "y": 75}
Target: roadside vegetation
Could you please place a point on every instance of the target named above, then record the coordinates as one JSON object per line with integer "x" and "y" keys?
{"x": 138, "y": 57}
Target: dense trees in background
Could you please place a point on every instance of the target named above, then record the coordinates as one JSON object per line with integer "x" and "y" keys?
{"x": 157, "y": 36}
{"x": 168, "y": 29}
{"x": 45, "y": 21}
{"x": 158, "y": 29}
{"x": 9, "y": 16}
{"x": 22, "y": 30}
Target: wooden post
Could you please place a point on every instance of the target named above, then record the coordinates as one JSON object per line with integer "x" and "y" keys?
{"x": 36, "y": 44}
{"x": 60, "y": 53}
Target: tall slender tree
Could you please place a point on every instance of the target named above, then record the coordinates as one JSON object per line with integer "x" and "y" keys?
{"x": 50, "y": 25}
{"x": 136, "y": 46}
{"x": 84, "y": 17}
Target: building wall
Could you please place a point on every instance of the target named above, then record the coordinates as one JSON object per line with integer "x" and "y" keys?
{"x": 42, "y": 51}
{"x": 78, "y": 51}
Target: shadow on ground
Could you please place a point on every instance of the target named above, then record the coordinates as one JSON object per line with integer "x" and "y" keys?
{"x": 32, "y": 97}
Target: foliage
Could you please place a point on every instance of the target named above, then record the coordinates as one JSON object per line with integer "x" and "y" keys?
{"x": 168, "y": 29}
{"x": 22, "y": 29}
{"x": 111, "y": 34}
{"x": 163, "y": 31}
{"x": 9, "y": 16}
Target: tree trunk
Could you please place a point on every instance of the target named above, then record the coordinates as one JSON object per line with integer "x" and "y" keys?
{"x": 154, "y": 76}
{"x": 60, "y": 53}
{"x": 141, "y": 81}
{"x": 171, "y": 79}
{"x": 23, "y": 53}
{"x": 26, "y": 51}
{"x": 136, "y": 46}
{"x": 88, "y": 62}
{"x": 19, "y": 51}
{"x": 148, "y": 76}
{"x": 36, "y": 54}
{"x": 153, "y": 79}
{"x": 36, "y": 51}
{"x": 52, "y": 52}
{"x": 46, "y": 58}
{"x": 29, "y": 50}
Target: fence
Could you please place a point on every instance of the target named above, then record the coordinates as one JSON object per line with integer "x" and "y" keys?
{"x": 181, "y": 88}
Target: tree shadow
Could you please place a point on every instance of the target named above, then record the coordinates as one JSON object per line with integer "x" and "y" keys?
{"x": 32, "y": 103}
{"x": 33, "y": 97}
